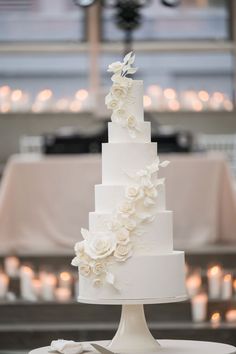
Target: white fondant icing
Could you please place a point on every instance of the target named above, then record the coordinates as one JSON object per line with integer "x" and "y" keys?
{"x": 134, "y": 106}
{"x": 119, "y": 134}
{"x": 141, "y": 277}
{"x": 155, "y": 237}
{"x": 107, "y": 197}
{"x": 118, "y": 160}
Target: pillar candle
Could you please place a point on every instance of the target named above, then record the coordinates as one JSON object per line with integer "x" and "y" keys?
{"x": 230, "y": 316}
{"x": 234, "y": 286}
{"x": 214, "y": 275}
{"x": 11, "y": 266}
{"x": 4, "y": 283}
{"x": 227, "y": 287}
{"x": 193, "y": 284}
{"x": 65, "y": 280}
{"x": 215, "y": 319}
{"x": 199, "y": 307}
{"x": 48, "y": 286}
{"x": 26, "y": 287}
{"x": 63, "y": 294}
{"x": 37, "y": 287}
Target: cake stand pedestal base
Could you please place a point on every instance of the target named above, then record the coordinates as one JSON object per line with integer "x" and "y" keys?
{"x": 171, "y": 347}
{"x": 133, "y": 335}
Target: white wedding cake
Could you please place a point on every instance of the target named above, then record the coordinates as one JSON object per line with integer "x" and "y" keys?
{"x": 127, "y": 254}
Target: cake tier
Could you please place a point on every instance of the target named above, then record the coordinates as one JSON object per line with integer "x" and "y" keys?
{"x": 156, "y": 236}
{"x": 134, "y": 102}
{"x": 108, "y": 197}
{"x": 119, "y": 160}
{"x": 119, "y": 134}
{"x": 143, "y": 277}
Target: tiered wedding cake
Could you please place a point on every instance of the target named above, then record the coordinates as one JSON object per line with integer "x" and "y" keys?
{"x": 127, "y": 253}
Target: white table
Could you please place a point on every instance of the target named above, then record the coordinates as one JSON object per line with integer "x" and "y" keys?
{"x": 175, "y": 347}
{"x": 44, "y": 201}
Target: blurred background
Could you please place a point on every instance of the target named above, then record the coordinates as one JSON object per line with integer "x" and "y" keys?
{"x": 53, "y": 81}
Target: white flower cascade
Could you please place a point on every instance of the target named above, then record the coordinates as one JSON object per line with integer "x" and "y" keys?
{"x": 119, "y": 94}
{"x": 99, "y": 250}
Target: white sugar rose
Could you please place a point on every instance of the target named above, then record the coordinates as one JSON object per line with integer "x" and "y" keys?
{"x": 151, "y": 192}
{"x": 85, "y": 270}
{"x": 130, "y": 224}
{"x": 119, "y": 91}
{"x": 114, "y": 224}
{"x": 134, "y": 192}
{"x": 131, "y": 122}
{"x": 97, "y": 283}
{"x": 99, "y": 268}
{"x": 115, "y": 67}
{"x": 122, "y": 236}
{"x": 100, "y": 246}
{"x": 126, "y": 209}
{"x": 123, "y": 252}
{"x": 118, "y": 116}
{"x": 111, "y": 102}
{"x": 79, "y": 249}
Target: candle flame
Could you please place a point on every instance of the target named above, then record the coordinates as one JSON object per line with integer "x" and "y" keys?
{"x": 65, "y": 276}
{"x": 215, "y": 317}
{"x": 81, "y": 94}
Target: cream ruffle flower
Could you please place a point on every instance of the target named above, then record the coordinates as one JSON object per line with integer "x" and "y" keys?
{"x": 111, "y": 102}
{"x": 115, "y": 67}
{"x": 99, "y": 268}
{"x": 100, "y": 246}
{"x": 119, "y": 91}
{"x": 129, "y": 224}
{"x": 123, "y": 252}
{"x": 126, "y": 209}
{"x": 85, "y": 270}
{"x": 134, "y": 192}
{"x": 122, "y": 236}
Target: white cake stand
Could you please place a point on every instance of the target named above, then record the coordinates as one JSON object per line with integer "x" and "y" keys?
{"x": 172, "y": 347}
{"x": 133, "y": 335}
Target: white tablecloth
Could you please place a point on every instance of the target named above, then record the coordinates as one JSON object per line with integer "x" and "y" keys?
{"x": 44, "y": 201}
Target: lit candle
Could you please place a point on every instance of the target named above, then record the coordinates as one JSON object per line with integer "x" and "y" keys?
{"x": 215, "y": 319}
{"x": 43, "y": 101}
{"x": 26, "y": 287}
{"x": 63, "y": 294}
{"x": 234, "y": 286}
{"x": 49, "y": 281}
{"x": 230, "y": 316}
{"x": 193, "y": 283}
{"x": 227, "y": 287}
{"x": 11, "y": 266}
{"x": 37, "y": 287}
{"x": 19, "y": 101}
{"x": 214, "y": 275}
{"x": 5, "y": 93}
{"x": 199, "y": 307}
{"x": 4, "y": 283}
{"x": 65, "y": 280}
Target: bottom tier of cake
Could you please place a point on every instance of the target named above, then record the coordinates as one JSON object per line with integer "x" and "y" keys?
{"x": 141, "y": 279}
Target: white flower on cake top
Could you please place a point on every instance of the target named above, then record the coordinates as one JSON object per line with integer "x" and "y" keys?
{"x": 119, "y": 95}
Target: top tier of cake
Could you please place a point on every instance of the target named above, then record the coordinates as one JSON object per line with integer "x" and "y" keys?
{"x": 133, "y": 107}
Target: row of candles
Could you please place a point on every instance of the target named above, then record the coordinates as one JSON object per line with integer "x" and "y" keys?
{"x": 156, "y": 98}
{"x": 220, "y": 285}
{"x": 12, "y": 100}
{"x": 44, "y": 285}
